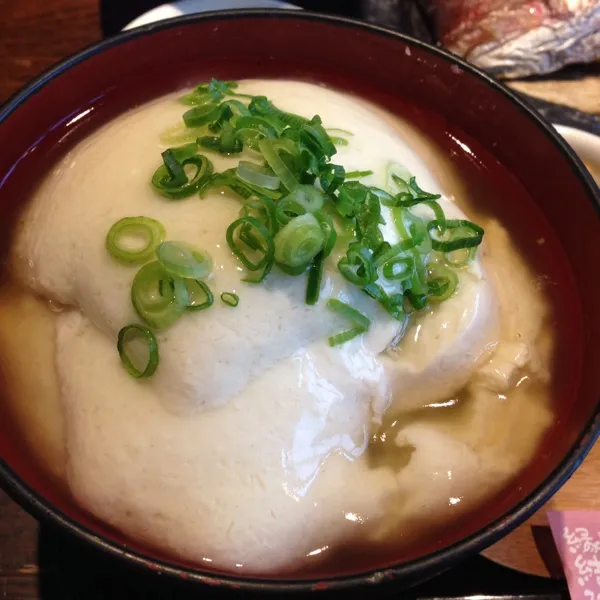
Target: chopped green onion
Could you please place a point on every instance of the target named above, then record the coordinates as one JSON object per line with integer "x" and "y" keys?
{"x": 441, "y": 282}
{"x": 460, "y": 258}
{"x": 216, "y": 144}
{"x": 299, "y": 241}
{"x": 128, "y": 334}
{"x": 315, "y": 276}
{"x": 464, "y": 256}
{"x": 230, "y": 299}
{"x": 329, "y": 232}
{"x": 292, "y": 271}
{"x": 200, "y": 295}
{"x": 331, "y": 177}
{"x": 184, "y": 260}
{"x": 360, "y": 322}
{"x": 358, "y": 174}
{"x": 158, "y": 297}
{"x": 266, "y": 127}
{"x": 353, "y": 315}
{"x": 257, "y": 175}
{"x": 399, "y": 268}
{"x": 345, "y": 336}
{"x": 304, "y": 199}
{"x": 249, "y": 236}
{"x": 417, "y": 228}
{"x": 392, "y": 252}
{"x": 396, "y": 178}
{"x": 171, "y": 179}
{"x": 201, "y": 115}
{"x": 385, "y": 198}
{"x": 261, "y": 106}
{"x": 357, "y": 266}
{"x": 351, "y": 196}
{"x": 261, "y": 208}
{"x": 414, "y": 301}
{"x": 150, "y": 232}
{"x": 338, "y": 141}
{"x": 368, "y": 219}
{"x": 276, "y": 163}
{"x": 472, "y": 235}
{"x": 412, "y": 184}
{"x": 238, "y": 109}
{"x": 315, "y": 137}
{"x": 210, "y": 92}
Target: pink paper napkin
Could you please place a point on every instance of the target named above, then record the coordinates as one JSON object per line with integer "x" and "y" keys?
{"x": 577, "y": 537}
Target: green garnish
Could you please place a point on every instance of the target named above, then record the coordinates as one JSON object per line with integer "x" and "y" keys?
{"x": 127, "y": 337}
{"x": 184, "y": 260}
{"x": 256, "y": 175}
{"x": 230, "y": 299}
{"x": 304, "y": 199}
{"x": 299, "y": 241}
{"x": 297, "y": 208}
{"x": 253, "y": 244}
{"x": 472, "y": 235}
{"x": 158, "y": 297}
{"x": 199, "y": 295}
{"x": 171, "y": 179}
{"x": 140, "y": 229}
{"x": 358, "y": 174}
{"x": 360, "y": 323}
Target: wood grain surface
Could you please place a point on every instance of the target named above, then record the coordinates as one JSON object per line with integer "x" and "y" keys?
{"x": 34, "y": 34}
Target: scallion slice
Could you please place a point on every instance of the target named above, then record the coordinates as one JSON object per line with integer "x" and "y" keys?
{"x": 184, "y": 260}
{"x": 460, "y": 258}
{"x": 472, "y": 235}
{"x": 298, "y": 242}
{"x": 329, "y": 232}
{"x": 357, "y": 266}
{"x": 304, "y": 199}
{"x": 201, "y": 115}
{"x": 276, "y": 163}
{"x": 399, "y": 268}
{"x": 199, "y": 294}
{"x": 257, "y": 175}
{"x": 171, "y": 179}
{"x": 396, "y": 178}
{"x": 230, "y": 299}
{"x": 442, "y": 282}
{"x": 315, "y": 276}
{"x": 145, "y": 233}
{"x": 331, "y": 177}
{"x": 127, "y": 337}
{"x": 338, "y": 141}
{"x": 345, "y": 336}
{"x": 358, "y": 174}
{"x": 158, "y": 297}
{"x": 253, "y": 244}
{"x": 360, "y": 322}
{"x": 350, "y": 313}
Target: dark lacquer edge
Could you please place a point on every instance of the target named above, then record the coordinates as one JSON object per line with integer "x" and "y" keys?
{"x": 409, "y": 571}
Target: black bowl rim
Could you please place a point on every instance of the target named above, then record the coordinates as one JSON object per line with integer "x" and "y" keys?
{"x": 430, "y": 564}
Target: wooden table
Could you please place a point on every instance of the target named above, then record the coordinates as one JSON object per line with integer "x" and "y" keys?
{"x": 34, "y": 561}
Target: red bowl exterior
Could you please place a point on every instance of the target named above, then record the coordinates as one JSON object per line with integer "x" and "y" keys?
{"x": 69, "y": 101}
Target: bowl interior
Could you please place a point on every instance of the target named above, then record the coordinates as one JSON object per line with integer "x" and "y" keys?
{"x": 396, "y": 73}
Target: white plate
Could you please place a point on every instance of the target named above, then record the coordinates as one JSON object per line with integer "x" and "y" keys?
{"x": 587, "y": 146}
{"x": 189, "y": 7}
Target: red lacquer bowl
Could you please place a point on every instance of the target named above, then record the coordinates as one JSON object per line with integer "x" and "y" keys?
{"x": 75, "y": 97}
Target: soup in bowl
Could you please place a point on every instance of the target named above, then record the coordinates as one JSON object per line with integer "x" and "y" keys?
{"x": 273, "y": 314}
